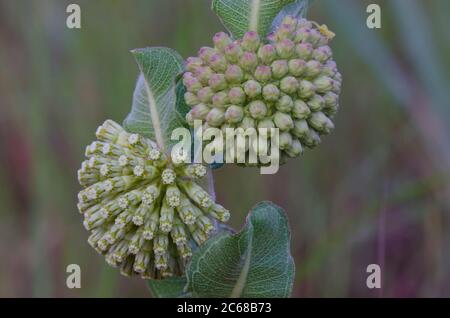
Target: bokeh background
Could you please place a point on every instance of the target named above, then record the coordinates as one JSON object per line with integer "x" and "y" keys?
{"x": 376, "y": 191}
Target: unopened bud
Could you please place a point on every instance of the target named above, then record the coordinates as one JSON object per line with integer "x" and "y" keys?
{"x": 300, "y": 110}
{"x": 271, "y": 93}
{"x": 263, "y": 73}
{"x": 267, "y": 53}
{"x": 191, "y": 83}
{"x": 248, "y": 61}
{"x": 312, "y": 69}
{"x": 233, "y": 52}
{"x": 220, "y": 99}
{"x": 191, "y": 99}
{"x": 316, "y": 103}
{"x": 217, "y": 82}
{"x": 218, "y": 62}
{"x": 322, "y": 54}
{"x": 283, "y": 121}
{"x": 192, "y": 63}
{"x": 234, "y": 74}
{"x": 280, "y": 68}
{"x": 304, "y": 51}
{"x": 285, "y": 48}
{"x": 252, "y": 88}
{"x": 296, "y": 67}
{"x": 221, "y": 40}
{"x": 215, "y": 117}
{"x": 250, "y": 41}
{"x": 285, "y": 31}
{"x": 296, "y": 149}
{"x": 301, "y": 35}
{"x": 236, "y": 95}
{"x": 266, "y": 123}
{"x": 320, "y": 122}
{"x": 323, "y": 84}
{"x": 205, "y": 94}
{"x": 289, "y": 85}
{"x": 205, "y": 53}
{"x": 306, "y": 89}
{"x": 301, "y": 128}
{"x": 285, "y": 104}
{"x": 257, "y": 109}
{"x": 203, "y": 74}
{"x": 248, "y": 122}
{"x": 200, "y": 111}
{"x": 234, "y": 114}
{"x": 285, "y": 140}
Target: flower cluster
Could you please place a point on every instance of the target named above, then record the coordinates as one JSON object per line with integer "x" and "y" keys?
{"x": 287, "y": 81}
{"x": 145, "y": 212}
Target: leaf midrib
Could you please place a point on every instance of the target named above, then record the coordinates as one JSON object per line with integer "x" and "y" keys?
{"x": 254, "y": 15}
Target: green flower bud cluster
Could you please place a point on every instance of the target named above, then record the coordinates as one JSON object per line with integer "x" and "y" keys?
{"x": 287, "y": 81}
{"x": 146, "y": 213}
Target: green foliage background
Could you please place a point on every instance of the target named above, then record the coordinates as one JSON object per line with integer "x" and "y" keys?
{"x": 376, "y": 191}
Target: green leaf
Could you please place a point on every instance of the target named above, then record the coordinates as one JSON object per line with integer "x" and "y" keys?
{"x": 253, "y": 263}
{"x": 154, "y": 113}
{"x": 172, "y": 287}
{"x": 240, "y": 16}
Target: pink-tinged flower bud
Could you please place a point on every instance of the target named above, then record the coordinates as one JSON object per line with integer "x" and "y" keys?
{"x": 250, "y": 41}
{"x": 248, "y": 122}
{"x": 233, "y": 52}
{"x": 304, "y": 51}
{"x": 252, "y": 88}
{"x": 296, "y": 67}
{"x": 267, "y": 53}
{"x": 285, "y": 48}
{"x": 200, "y": 111}
{"x": 316, "y": 103}
{"x": 192, "y": 63}
{"x": 191, "y": 83}
{"x": 285, "y": 140}
{"x": 336, "y": 87}
{"x": 314, "y": 37}
{"x": 283, "y": 121}
{"x": 203, "y": 74}
{"x": 280, "y": 68}
{"x": 218, "y": 62}
{"x": 257, "y": 109}
{"x": 312, "y": 69}
{"x": 301, "y": 128}
{"x": 329, "y": 69}
{"x": 322, "y": 54}
{"x": 263, "y": 73}
{"x": 266, "y": 123}
{"x": 220, "y": 99}
{"x": 205, "y": 94}
{"x": 271, "y": 37}
{"x": 323, "y": 84}
{"x": 296, "y": 149}
{"x": 190, "y": 118}
{"x": 217, "y": 82}
{"x": 234, "y": 114}
{"x": 285, "y": 104}
{"x": 301, "y": 35}
{"x": 307, "y": 89}
{"x": 215, "y": 117}
{"x": 303, "y": 23}
{"x": 191, "y": 99}
{"x": 300, "y": 110}
{"x": 234, "y": 74}
{"x": 205, "y": 53}
{"x": 221, "y": 40}
{"x": 289, "y": 85}
{"x": 271, "y": 93}
{"x": 248, "y": 61}
{"x": 321, "y": 123}
{"x": 236, "y": 96}
{"x": 285, "y": 31}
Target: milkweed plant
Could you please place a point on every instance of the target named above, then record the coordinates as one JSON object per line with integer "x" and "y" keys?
{"x": 260, "y": 94}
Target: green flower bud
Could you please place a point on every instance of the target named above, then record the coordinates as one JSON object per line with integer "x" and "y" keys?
{"x": 304, "y": 51}
{"x": 323, "y": 84}
{"x": 252, "y": 89}
{"x": 296, "y": 67}
{"x": 285, "y": 104}
{"x": 233, "y": 53}
{"x": 266, "y": 123}
{"x": 290, "y": 20}
{"x": 234, "y": 74}
{"x": 215, "y": 117}
{"x": 285, "y": 140}
{"x": 301, "y": 35}
{"x": 296, "y": 149}
{"x": 314, "y": 37}
{"x": 285, "y": 48}
{"x": 257, "y": 109}
{"x": 316, "y": 103}
{"x": 301, "y": 128}
{"x": 267, "y": 53}
{"x": 289, "y": 85}
{"x": 221, "y": 40}
{"x": 217, "y": 82}
{"x": 192, "y": 63}
{"x": 311, "y": 139}
{"x": 236, "y": 95}
{"x": 321, "y": 122}
{"x": 280, "y": 68}
{"x": 300, "y": 110}
{"x": 218, "y": 62}
{"x": 250, "y": 41}
{"x": 191, "y": 99}
{"x": 200, "y": 111}
{"x": 271, "y": 93}
{"x": 263, "y": 73}
{"x": 322, "y": 54}
{"x": 205, "y": 94}
{"x": 234, "y": 114}
{"x": 307, "y": 89}
{"x": 248, "y": 61}
{"x": 191, "y": 83}
{"x": 203, "y": 73}
{"x": 133, "y": 204}
{"x": 285, "y": 31}
{"x": 205, "y": 53}
{"x": 283, "y": 121}
{"x": 312, "y": 69}
{"x": 220, "y": 99}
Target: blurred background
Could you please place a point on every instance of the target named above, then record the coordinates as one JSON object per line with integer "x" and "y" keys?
{"x": 376, "y": 191}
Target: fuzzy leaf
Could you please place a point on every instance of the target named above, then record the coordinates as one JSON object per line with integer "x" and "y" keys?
{"x": 253, "y": 263}
{"x": 240, "y": 16}
{"x": 154, "y": 113}
{"x": 172, "y": 287}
